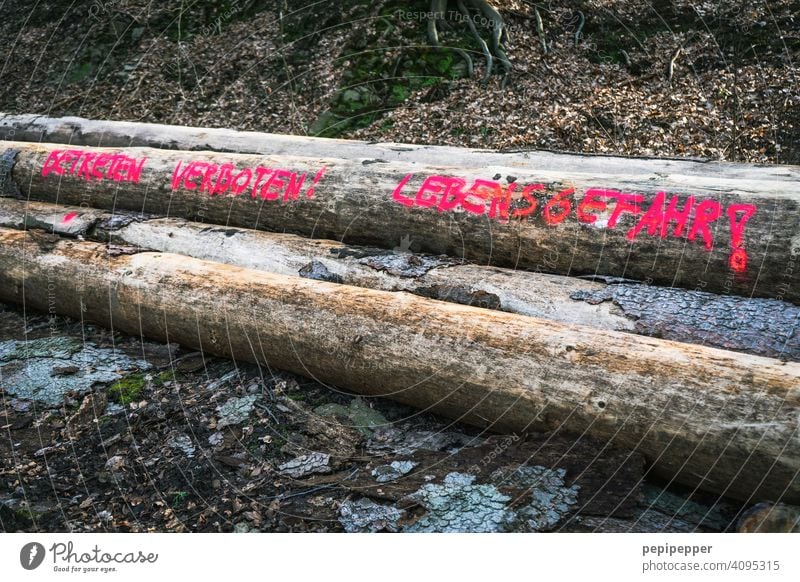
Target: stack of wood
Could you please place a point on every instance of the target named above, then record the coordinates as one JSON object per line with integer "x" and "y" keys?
{"x": 650, "y": 303}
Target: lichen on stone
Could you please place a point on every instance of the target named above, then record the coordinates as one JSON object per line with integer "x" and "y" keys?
{"x": 305, "y": 465}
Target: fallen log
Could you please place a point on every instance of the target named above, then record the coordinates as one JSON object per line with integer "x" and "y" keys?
{"x": 721, "y": 421}
{"x": 78, "y": 131}
{"x": 718, "y": 232}
{"x": 765, "y": 327}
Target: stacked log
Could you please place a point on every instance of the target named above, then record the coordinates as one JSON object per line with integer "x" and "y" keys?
{"x": 718, "y": 232}
{"x": 724, "y": 321}
{"x": 311, "y": 263}
{"x": 705, "y": 417}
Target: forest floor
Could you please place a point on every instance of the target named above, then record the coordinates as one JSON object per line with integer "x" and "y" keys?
{"x": 104, "y": 432}
{"x": 365, "y": 70}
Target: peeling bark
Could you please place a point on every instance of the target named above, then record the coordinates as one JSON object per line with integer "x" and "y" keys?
{"x": 757, "y": 326}
{"x": 765, "y": 327}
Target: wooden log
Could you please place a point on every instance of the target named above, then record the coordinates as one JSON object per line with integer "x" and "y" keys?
{"x": 722, "y": 421}
{"x": 765, "y": 327}
{"x": 78, "y": 131}
{"x": 714, "y": 232}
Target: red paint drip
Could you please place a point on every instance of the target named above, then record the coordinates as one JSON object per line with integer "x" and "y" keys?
{"x": 69, "y": 217}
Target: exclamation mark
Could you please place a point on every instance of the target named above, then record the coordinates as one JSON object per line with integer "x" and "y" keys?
{"x": 738, "y": 259}
{"x": 317, "y": 178}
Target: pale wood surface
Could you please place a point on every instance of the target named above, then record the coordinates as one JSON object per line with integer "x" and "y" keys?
{"x": 353, "y": 203}
{"x": 723, "y": 421}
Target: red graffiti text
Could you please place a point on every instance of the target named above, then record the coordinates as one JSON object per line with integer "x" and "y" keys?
{"x": 661, "y": 216}
{"x": 259, "y": 182}
{"x": 94, "y": 166}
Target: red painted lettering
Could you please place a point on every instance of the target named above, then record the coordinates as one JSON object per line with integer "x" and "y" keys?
{"x": 178, "y": 175}
{"x": 121, "y": 169}
{"x": 530, "y": 199}
{"x": 261, "y": 173}
{"x": 292, "y": 191}
{"x": 317, "y": 178}
{"x": 653, "y": 219}
{"x": 679, "y": 217}
{"x": 562, "y": 205}
{"x": 398, "y": 197}
{"x": 435, "y": 185}
{"x": 590, "y": 202}
{"x": 225, "y": 179}
{"x": 500, "y": 203}
{"x": 706, "y": 212}
{"x": 242, "y": 181}
{"x": 625, "y": 203}
{"x": 85, "y": 171}
{"x": 113, "y": 169}
{"x": 75, "y": 156}
{"x": 274, "y": 181}
{"x": 135, "y": 171}
{"x": 483, "y": 190}
{"x": 195, "y": 170}
{"x": 207, "y": 184}
{"x": 453, "y": 194}
{"x": 101, "y": 161}
{"x": 738, "y": 258}
{"x": 51, "y": 164}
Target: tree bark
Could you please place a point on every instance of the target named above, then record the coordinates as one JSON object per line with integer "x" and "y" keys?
{"x": 765, "y": 327}
{"x": 78, "y": 131}
{"x": 709, "y": 418}
{"x": 727, "y": 236}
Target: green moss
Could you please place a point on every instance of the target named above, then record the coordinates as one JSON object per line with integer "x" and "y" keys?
{"x": 383, "y": 67}
{"x": 164, "y": 377}
{"x": 358, "y": 415}
{"x": 26, "y": 514}
{"x": 127, "y": 390}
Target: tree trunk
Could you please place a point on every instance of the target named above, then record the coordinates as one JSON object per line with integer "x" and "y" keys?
{"x": 709, "y": 418}
{"x": 729, "y": 322}
{"x": 78, "y": 131}
{"x": 726, "y": 229}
